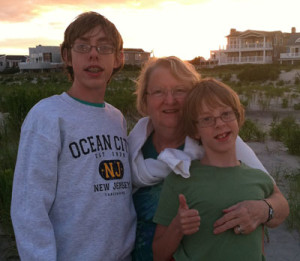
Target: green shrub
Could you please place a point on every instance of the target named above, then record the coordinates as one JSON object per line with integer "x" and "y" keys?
{"x": 293, "y": 220}
{"x": 297, "y": 106}
{"x": 284, "y": 103}
{"x": 288, "y": 132}
{"x": 120, "y": 93}
{"x": 259, "y": 73}
{"x": 280, "y": 130}
{"x": 226, "y": 77}
{"x": 245, "y": 102}
{"x": 6, "y": 179}
{"x": 280, "y": 83}
{"x": 293, "y": 141}
{"x": 251, "y": 132}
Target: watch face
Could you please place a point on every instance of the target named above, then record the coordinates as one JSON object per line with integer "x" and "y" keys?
{"x": 271, "y": 212}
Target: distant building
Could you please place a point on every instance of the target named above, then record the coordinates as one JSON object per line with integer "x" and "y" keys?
{"x": 135, "y": 56}
{"x": 292, "y": 53}
{"x": 48, "y": 58}
{"x": 258, "y": 47}
{"x": 43, "y": 58}
{"x": 10, "y": 61}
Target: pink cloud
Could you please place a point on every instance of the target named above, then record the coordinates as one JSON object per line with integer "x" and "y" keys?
{"x": 25, "y": 10}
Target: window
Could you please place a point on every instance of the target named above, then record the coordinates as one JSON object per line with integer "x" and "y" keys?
{"x": 233, "y": 42}
{"x": 137, "y": 56}
{"x": 126, "y": 56}
{"x": 47, "y": 57}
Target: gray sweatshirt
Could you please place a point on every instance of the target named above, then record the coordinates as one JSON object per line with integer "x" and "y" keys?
{"x": 71, "y": 195}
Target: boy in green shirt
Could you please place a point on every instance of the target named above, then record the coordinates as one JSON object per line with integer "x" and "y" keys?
{"x": 213, "y": 115}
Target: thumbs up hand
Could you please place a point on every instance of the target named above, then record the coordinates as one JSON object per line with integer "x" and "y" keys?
{"x": 187, "y": 220}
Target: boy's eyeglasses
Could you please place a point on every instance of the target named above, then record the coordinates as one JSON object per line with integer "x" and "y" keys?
{"x": 86, "y": 48}
{"x": 162, "y": 94}
{"x": 226, "y": 116}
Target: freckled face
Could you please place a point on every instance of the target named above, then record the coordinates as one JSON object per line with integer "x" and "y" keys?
{"x": 164, "y": 112}
{"x": 220, "y": 137}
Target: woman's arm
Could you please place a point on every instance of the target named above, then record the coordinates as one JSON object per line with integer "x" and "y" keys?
{"x": 280, "y": 206}
{"x": 245, "y": 154}
{"x": 167, "y": 239}
{"x": 250, "y": 214}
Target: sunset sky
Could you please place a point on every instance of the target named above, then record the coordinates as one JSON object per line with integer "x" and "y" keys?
{"x": 185, "y": 28}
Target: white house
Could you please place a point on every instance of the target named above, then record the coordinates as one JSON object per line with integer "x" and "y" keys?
{"x": 292, "y": 53}
{"x": 43, "y": 58}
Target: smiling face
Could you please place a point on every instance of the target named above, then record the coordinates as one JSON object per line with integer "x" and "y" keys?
{"x": 221, "y": 136}
{"x": 166, "y": 111}
{"x": 92, "y": 70}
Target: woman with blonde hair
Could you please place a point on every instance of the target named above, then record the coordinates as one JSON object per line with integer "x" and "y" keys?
{"x": 162, "y": 87}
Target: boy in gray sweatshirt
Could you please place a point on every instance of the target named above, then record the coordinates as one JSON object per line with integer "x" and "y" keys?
{"x": 71, "y": 195}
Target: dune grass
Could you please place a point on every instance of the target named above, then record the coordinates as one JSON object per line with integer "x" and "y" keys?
{"x": 19, "y": 92}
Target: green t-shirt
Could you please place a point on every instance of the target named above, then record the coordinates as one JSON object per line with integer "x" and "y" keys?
{"x": 210, "y": 190}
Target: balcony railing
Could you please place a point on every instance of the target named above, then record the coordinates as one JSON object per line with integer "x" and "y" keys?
{"x": 249, "y": 46}
{"x": 246, "y": 59}
{"x": 290, "y": 56}
{"x": 39, "y": 65}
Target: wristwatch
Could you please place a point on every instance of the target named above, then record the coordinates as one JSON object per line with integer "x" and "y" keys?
{"x": 271, "y": 211}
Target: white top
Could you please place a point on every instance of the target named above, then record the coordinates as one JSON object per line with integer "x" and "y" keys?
{"x": 72, "y": 196}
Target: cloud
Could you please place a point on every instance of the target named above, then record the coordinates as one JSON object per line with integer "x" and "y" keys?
{"x": 27, "y": 42}
{"x": 26, "y": 10}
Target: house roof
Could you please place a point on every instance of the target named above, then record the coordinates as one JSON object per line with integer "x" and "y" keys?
{"x": 294, "y": 39}
{"x": 251, "y": 32}
{"x": 16, "y": 57}
{"x": 135, "y": 50}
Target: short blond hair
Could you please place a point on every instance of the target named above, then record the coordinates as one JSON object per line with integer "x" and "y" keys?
{"x": 181, "y": 70}
{"x": 211, "y": 92}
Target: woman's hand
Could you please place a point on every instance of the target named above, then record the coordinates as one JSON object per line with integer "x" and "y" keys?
{"x": 246, "y": 215}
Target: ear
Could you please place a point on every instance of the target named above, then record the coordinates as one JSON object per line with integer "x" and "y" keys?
{"x": 197, "y": 136}
{"x": 66, "y": 57}
{"x": 119, "y": 60}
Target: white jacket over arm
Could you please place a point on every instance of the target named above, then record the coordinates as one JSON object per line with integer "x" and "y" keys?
{"x": 150, "y": 171}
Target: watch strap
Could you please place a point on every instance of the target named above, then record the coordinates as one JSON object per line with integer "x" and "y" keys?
{"x": 271, "y": 211}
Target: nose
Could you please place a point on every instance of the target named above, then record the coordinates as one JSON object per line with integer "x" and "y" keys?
{"x": 169, "y": 98}
{"x": 219, "y": 121}
{"x": 93, "y": 52}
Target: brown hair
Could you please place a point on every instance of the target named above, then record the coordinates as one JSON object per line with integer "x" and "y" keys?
{"x": 181, "y": 70}
{"x": 210, "y": 92}
{"x": 82, "y": 25}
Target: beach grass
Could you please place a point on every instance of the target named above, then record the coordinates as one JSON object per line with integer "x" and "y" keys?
{"x": 19, "y": 92}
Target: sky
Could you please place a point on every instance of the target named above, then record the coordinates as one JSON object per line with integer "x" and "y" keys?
{"x": 184, "y": 28}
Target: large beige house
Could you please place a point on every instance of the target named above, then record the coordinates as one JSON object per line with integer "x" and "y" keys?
{"x": 258, "y": 47}
{"x": 133, "y": 56}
